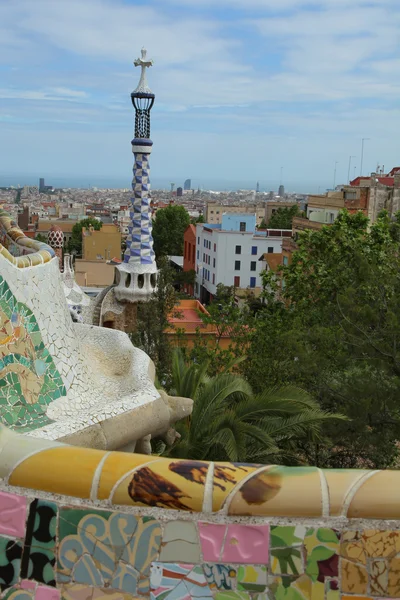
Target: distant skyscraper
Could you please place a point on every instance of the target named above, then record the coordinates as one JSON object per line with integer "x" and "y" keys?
{"x": 41, "y": 184}
{"x": 281, "y": 191}
{"x": 179, "y": 192}
{"x": 187, "y": 185}
{"x": 258, "y": 187}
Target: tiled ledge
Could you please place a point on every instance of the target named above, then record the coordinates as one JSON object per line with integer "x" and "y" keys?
{"x": 30, "y": 252}
{"x": 117, "y": 478}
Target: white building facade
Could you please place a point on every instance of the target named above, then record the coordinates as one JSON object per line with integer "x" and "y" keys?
{"x": 233, "y": 258}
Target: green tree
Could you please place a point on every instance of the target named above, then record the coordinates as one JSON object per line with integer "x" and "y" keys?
{"x": 195, "y": 220}
{"x": 75, "y": 243}
{"x": 335, "y": 332}
{"x": 283, "y": 217}
{"x": 169, "y": 226}
{"x": 228, "y": 423}
{"x": 229, "y": 321}
{"x": 41, "y": 238}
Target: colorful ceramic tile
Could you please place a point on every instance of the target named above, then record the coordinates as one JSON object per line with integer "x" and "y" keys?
{"x": 332, "y": 591}
{"x": 12, "y": 514}
{"x": 29, "y": 379}
{"x": 47, "y": 593}
{"x": 287, "y": 561}
{"x": 212, "y": 537}
{"x": 394, "y": 578}
{"x": 38, "y": 559}
{"x": 10, "y": 563}
{"x": 76, "y": 591}
{"x": 180, "y": 542}
{"x": 322, "y": 552}
{"x": 226, "y": 477}
{"x": 252, "y": 578}
{"x": 172, "y": 484}
{"x": 221, "y": 577}
{"x": 352, "y": 547}
{"x": 16, "y": 593}
{"x": 246, "y": 544}
{"x": 354, "y": 578}
{"x": 378, "y": 577}
{"x": 287, "y": 535}
{"x": 379, "y": 544}
{"x": 290, "y": 588}
{"x": 271, "y": 493}
{"x": 178, "y": 581}
{"x": 232, "y": 596}
{"x": 61, "y": 470}
{"x": 100, "y": 548}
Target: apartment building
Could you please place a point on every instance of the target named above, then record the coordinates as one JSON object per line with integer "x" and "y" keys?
{"x": 232, "y": 253}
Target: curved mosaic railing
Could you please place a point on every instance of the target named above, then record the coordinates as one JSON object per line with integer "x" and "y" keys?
{"x": 105, "y": 528}
{"x": 117, "y": 478}
{"x": 18, "y": 249}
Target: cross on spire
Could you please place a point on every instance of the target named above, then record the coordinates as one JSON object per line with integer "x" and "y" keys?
{"x": 143, "y": 87}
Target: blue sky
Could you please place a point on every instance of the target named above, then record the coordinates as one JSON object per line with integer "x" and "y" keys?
{"x": 242, "y": 88}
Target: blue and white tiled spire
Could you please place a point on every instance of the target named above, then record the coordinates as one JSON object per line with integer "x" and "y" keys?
{"x": 137, "y": 275}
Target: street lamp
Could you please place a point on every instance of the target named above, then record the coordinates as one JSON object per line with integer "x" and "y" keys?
{"x": 348, "y": 174}
{"x": 362, "y": 153}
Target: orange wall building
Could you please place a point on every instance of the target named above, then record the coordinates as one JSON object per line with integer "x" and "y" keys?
{"x": 189, "y": 254}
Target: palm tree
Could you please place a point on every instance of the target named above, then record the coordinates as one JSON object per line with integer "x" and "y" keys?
{"x": 229, "y": 423}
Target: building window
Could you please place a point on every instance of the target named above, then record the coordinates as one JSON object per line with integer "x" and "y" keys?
{"x": 285, "y": 260}
{"x": 213, "y": 279}
{"x": 270, "y": 250}
{"x": 253, "y": 265}
{"x": 238, "y": 250}
{"x": 198, "y": 241}
{"x": 215, "y": 247}
{"x": 204, "y": 244}
{"x": 185, "y": 250}
{"x": 236, "y": 281}
{"x": 252, "y": 282}
{"x": 254, "y": 250}
{"x": 214, "y": 263}
{"x": 198, "y": 254}
{"x": 242, "y": 226}
{"x": 237, "y": 265}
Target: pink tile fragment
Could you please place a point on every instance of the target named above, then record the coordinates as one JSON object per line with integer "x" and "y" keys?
{"x": 12, "y": 514}
{"x": 27, "y": 584}
{"x": 47, "y": 593}
{"x": 246, "y": 544}
{"x": 211, "y": 538}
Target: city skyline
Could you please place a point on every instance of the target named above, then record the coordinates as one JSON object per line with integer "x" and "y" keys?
{"x": 299, "y": 85}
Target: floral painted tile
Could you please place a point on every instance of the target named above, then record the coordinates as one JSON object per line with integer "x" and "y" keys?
{"x": 354, "y": 578}
{"x": 100, "y": 548}
{"x": 12, "y": 515}
{"x": 178, "y": 581}
{"x": 221, "y": 577}
{"x": 252, "y": 578}
{"x": 322, "y": 553}
{"x": 332, "y": 591}
{"x": 289, "y": 587}
{"x": 246, "y": 544}
{"x": 38, "y": 560}
{"x": 287, "y": 535}
{"x": 10, "y": 564}
{"x": 287, "y": 561}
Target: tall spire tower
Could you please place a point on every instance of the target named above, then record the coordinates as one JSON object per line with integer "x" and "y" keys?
{"x": 137, "y": 274}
